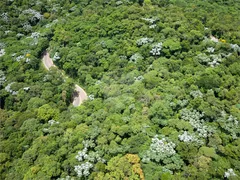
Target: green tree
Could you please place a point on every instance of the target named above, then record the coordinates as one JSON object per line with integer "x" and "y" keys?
{"x": 46, "y": 112}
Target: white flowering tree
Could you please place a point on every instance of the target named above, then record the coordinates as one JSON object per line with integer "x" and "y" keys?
{"x": 52, "y": 122}
{"x": 210, "y": 49}
{"x": 211, "y": 60}
{"x": 230, "y": 124}
{"x": 139, "y": 78}
{"x": 2, "y": 78}
{"x": 162, "y": 151}
{"x": 235, "y": 47}
{"x": 179, "y": 104}
{"x": 33, "y": 15}
{"x": 144, "y": 40}
{"x": 229, "y": 173}
{"x": 56, "y": 56}
{"x": 5, "y": 17}
{"x": 27, "y": 27}
{"x": 196, "y": 94}
{"x": 2, "y": 52}
{"x": 189, "y": 138}
{"x": 8, "y": 89}
{"x": 136, "y": 57}
{"x": 35, "y": 37}
{"x": 196, "y": 120}
{"x": 87, "y": 158}
{"x": 155, "y": 51}
{"x": 151, "y": 22}
{"x": 91, "y": 97}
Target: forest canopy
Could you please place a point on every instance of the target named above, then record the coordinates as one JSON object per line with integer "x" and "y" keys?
{"x": 163, "y": 85}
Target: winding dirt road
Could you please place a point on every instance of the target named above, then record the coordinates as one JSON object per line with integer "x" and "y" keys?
{"x": 79, "y": 95}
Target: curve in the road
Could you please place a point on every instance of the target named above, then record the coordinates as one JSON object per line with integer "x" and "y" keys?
{"x": 79, "y": 95}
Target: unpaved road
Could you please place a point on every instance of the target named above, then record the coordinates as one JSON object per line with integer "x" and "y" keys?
{"x": 82, "y": 95}
{"x": 79, "y": 95}
{"x": 47, "y": 61}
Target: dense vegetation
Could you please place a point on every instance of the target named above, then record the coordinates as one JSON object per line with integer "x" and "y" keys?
{"x": 163, "y": 79}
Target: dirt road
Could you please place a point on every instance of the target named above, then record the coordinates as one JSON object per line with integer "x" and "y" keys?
{"x": 79, "y": 95}
{"x": 82, "y": 95}
{"x": 47, "y": 61}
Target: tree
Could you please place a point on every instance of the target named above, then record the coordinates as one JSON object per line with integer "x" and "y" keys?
{"x": 209, "y": 81}
{"x": 46, "y": 112}
{"x": 118, "y": 167}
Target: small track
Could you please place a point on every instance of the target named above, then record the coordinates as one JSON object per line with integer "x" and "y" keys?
{"x": 79, "y": 95}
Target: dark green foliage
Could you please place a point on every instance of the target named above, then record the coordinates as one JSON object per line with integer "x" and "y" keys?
{"x": 209, "y": 81}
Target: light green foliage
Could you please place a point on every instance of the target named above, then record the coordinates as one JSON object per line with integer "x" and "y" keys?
{"x": 209, "y": 152}
{"x": 122, "y": 167}
{"x": 35, "y": 102}
{"x": 172, "y": 44}
{"x": 41, "y": 170}
{"x": 46, "y": 112}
